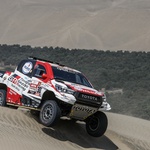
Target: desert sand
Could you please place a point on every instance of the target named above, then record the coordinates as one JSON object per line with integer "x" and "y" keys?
{"x": 84, "y": 24}
{"x": 19, "y": 130}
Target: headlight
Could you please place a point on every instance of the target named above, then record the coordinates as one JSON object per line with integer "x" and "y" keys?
{"x": 62, "y": 89}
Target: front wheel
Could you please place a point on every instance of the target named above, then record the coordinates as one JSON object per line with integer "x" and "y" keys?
{"x": 50, "y": 113}
{"x": 96, "y": 124}
{"x": 2, "y": 97}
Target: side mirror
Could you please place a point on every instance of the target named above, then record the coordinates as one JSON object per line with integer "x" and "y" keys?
{"x": 44, "y": 76}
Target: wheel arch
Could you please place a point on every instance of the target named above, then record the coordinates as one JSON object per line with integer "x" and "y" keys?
{"x": 48, "y": 95}
{"x": 3, "y": 86}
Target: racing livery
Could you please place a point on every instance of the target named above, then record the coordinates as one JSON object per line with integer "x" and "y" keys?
{"x": 53, "y": 90}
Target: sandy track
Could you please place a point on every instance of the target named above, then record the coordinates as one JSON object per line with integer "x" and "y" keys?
{"x": 133, "y": 132}
{"x": 19, "y": 130}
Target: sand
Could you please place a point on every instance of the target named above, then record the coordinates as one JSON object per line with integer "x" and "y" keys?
{"x": 20, "y": 130}
{"x": 133, "y": 132}
{"x": 84, "y": 24}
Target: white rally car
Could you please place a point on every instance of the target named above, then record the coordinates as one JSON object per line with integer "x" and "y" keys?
{"x": 54, "y": 90}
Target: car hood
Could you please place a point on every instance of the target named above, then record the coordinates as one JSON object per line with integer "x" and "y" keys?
{"x": 83, "y": 89}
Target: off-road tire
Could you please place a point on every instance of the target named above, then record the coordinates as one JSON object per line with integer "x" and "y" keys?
{"x": 50, "y": 113}
{"x": 2, "y": 97}
{"x": 96, "y": 124}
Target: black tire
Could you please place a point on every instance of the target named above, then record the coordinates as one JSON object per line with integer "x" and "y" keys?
{"x": 50, "y": 113}
{"x": 96, "y": 124}
{"x": 2, "y": 97}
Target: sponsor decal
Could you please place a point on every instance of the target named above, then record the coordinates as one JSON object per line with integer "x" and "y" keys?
{"x": 84, "y": 109}
{"x": 35, "y": 88}
{"x": 82, "y": 112}
{"x": 12, "y": 92}
{"x": 88, "y": 91}
{"x": 15, "y": 87}
{"x": 23, "y": 84}
{"x": 82, "y": 89}
{"x": 89, "y": 97}
{"x": 27, "y": 67}
{"x": 18, "y": 83}
{"x": 66, "y": 69}
{"x": 13, "y": 79}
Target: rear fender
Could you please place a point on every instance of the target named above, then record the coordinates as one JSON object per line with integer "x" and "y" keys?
{"x": 3, "y": 86}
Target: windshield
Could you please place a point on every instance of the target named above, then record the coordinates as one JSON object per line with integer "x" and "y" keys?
{"x": 70, "y": 76}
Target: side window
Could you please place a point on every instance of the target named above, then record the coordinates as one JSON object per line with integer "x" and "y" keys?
{"x": 26, "y": 67}
{"x": 39, "y": 71}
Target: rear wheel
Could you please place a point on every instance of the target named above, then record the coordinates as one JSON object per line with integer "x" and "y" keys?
{"x": 96, "y": 124}
{"x": 50, "y": 113}
{"x": 2, "y": 97}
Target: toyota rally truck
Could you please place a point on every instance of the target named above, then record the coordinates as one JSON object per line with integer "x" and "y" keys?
{"x": 53, "y": 91}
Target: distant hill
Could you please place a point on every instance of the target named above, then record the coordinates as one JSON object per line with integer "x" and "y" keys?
{"x": 82, "y": 24}
{"x": 123, "y": 75}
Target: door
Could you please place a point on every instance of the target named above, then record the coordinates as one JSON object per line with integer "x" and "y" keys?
{"x": 39, "y": 77}
{"x": 19, "y": 81}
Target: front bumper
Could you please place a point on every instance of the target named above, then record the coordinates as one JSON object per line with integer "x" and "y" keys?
{"x": 105, "y": 106}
